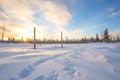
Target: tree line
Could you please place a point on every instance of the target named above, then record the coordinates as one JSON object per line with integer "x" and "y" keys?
{"x": 103, "y": 37}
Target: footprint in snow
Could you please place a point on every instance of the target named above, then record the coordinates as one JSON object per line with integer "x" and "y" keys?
{"x": 14, "y": 79}
{"x": 51, "y": 76}
{"x": 26, "y": 72}
{"x": 29, "y": 69}
{"x": 69, "y": 67}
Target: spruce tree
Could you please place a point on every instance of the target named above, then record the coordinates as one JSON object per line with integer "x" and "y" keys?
{"x": 106, "y": 35}
{"x": 118, "y": 38}
{"x": 97, "y": 38}
{"x": 92, "y": 40}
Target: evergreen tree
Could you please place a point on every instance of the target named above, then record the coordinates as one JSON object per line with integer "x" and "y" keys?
{"x": 118, "y": 38}
{"x": 97, "y": 38}
{"x": 91, "y": 39}
{"x": 85, "y": 39}
{"x": 106, "y": 35}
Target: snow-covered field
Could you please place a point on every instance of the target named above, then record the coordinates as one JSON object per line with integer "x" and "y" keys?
{"x": 94, "y": 61}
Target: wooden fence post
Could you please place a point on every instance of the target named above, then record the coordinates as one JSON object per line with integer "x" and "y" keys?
{"x": 3, "y": 33}
{"x": 61, "y": 41}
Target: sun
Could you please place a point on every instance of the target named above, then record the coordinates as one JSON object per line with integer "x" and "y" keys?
{"x": 26, "y": 35}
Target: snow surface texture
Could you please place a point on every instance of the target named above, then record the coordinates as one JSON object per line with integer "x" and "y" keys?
{"x": 94, "y": 61}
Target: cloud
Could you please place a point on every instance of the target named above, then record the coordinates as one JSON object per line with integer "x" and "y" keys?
{"x": 111, "y": 9}
{"x": 3, "y": 16}
{"x": 54, "y": 13}
{"x": 17, "y": 9}
{"x": 113, "y": 13}
{"x": 24, "y": 10}
{"x": 115, "y": 33}
{"x": 20, "y": 15}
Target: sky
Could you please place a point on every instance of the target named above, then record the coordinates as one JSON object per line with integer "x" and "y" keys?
{"x": 75, "y": 18}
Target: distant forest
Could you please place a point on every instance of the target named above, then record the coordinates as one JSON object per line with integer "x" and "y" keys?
{"x": 104, "y": 37}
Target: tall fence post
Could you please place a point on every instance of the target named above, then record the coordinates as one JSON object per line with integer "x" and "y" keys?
{"x": 3, "y": 33}
{"x": 34, "y": 38}
{"x": 61, "y": 41}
